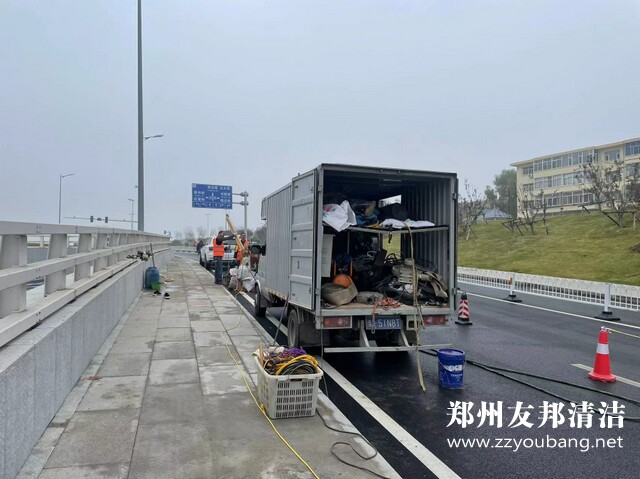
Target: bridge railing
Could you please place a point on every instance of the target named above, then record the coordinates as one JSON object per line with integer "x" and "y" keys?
{"x": 99, "y": 254}
{"x": 622, "y": 296}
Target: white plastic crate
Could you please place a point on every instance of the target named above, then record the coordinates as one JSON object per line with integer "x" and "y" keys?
{"x": 294, "y": 395}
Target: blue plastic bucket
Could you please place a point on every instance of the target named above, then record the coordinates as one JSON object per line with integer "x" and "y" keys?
{"x": 151, "y": 275}
{"x": 450, "y": 368}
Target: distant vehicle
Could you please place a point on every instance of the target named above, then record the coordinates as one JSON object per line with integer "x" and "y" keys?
{"x": 301, "y": 256}
{"x": 206, "y": 254}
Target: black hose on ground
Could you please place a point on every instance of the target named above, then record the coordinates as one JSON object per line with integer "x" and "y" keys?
{"x": 500, "y": 372}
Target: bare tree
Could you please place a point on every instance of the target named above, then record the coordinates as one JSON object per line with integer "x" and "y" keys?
{"x": 531, "y": 208}
{"x": 260, "y": 234}
{"x": 188, "y": 234}
{"x": 470, "y": 209}
{"x": 202, "y": 232}
{"x": 632, "y": 178}
{"x": 177, "y": 238}
{"x": 611, "y": 188}
{"x": 592, "y": 177}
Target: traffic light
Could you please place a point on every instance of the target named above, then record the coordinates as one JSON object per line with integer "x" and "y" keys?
{"x": 91, "y": 218}
{"x": 106, "y": 219}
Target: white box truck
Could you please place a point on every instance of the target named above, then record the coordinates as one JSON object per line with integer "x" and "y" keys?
{"x": 302, "y": 254}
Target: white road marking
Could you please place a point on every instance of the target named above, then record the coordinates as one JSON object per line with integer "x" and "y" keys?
{"x": 620, "y": 378}
{"x": 270, "y": 317}
{"x": 424, "y": 455}
{"x": 616, "y": 324}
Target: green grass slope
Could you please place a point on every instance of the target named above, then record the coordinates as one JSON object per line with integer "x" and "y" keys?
{"x": 582, "y": 246}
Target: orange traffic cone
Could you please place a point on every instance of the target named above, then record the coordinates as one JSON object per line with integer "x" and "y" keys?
{"x": 463, "y": 311}
{"x": 602, "y": 367}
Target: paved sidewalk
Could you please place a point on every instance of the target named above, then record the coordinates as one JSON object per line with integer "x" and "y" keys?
{"x": 163, "y": 399}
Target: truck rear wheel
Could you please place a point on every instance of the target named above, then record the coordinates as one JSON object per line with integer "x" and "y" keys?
{"x": 258, "y": 309}
{"x": 293, "y": 329}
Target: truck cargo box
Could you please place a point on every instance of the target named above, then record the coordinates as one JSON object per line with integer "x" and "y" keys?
{"x": 302, "y": 253}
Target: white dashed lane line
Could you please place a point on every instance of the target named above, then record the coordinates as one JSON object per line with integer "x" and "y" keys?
{"x": 424, "y": 455}
{"x": 620, "y": 378}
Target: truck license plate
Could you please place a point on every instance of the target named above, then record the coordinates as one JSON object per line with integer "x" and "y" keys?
{"x": 385, "y": 322}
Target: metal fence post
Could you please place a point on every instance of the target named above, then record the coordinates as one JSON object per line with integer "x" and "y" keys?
{"x": 606, "y": 314}
{"x": 512, "y": 290}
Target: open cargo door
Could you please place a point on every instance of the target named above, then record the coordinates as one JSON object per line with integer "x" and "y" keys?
{"x": 303, "y": 207}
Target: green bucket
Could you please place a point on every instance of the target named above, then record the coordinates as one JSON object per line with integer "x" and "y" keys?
{"x": 156, "y": 286}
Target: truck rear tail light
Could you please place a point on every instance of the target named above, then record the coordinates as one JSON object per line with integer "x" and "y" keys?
{"x": 336, "y": 322}
{"x": 434, "y": 320}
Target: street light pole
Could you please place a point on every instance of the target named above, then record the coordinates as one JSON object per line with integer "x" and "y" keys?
{"x": 60, "y": 197}
{"x": 244, "y": 203}
{"x": 132, "y": 202}
{"x": 140, "y": 127}
{"x": 208, "y": 214}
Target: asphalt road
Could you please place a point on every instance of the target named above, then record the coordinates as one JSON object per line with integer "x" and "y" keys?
{"x": 506, "y": 335}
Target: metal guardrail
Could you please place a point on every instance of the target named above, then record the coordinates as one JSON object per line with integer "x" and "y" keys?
{"x": 622, "y": 296}
{"x": 101, "y": 253}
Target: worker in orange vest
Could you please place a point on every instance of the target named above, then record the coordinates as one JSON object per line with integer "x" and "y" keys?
{"x": 242, "y": 250}
{"x": 218, "y": 254}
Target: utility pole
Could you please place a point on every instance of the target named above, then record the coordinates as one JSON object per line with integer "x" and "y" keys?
{"x": 132, "y": 202}
{"x": 60, "y": 197}
{"x": 244, "y": 203}
{"x": 208, "y": 215}
{"x": 140, "y": 127}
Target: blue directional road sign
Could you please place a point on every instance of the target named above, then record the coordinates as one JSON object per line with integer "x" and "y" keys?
{"x": 211, "y": 196}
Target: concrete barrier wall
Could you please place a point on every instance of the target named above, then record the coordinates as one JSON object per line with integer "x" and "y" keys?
{"x": 39, "y": 368}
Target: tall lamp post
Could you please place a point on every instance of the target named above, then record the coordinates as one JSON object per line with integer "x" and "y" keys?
{"x": 60, "y": 197}
{"x": 244, "y": 203}
{"x": 132, "y": 201}
{"x": 140, "y": 123}
{"x": 141, "y": 137}
{"x": 140, "y": 184}
{"x": 208, "y": 215}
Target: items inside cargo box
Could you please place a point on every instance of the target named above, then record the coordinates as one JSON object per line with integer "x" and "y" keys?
{"x": 356, "y": 267}
{"x": 367, "y": 214}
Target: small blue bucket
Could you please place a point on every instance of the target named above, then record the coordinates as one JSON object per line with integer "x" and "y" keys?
{"x": 450, "y": 368}
{"x": 151, "y": 275}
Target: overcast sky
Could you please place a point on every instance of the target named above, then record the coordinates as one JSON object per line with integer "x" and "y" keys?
{"x": 250, "y": 93}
